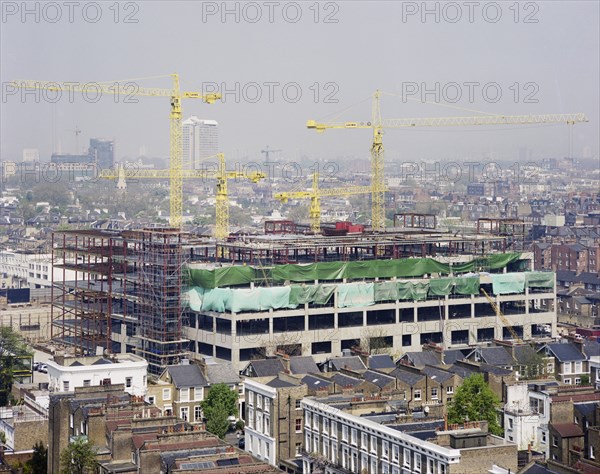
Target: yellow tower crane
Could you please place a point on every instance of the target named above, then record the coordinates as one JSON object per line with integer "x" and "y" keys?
{"x": 315, "y": 195}
{"x": 221, "y": 195}
{"x": 504, "y": 319}
{"x": 175, "y": 172}
{"x": 378, "y": 125}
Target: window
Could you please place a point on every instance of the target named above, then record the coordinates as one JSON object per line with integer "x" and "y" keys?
{"x": 307, "y": 419}
{"x": 364, "y": 441}
{"x": 334, "y": 448}
{"x": 373, "y": 444}
{"x": 298, "y": 449}
{"x": 151, "y": 400}
{"x": 307, "y": 441}
{"x": 577, "y": 381}
{"x": 326, "y": 448}
{"x": 354, "y": 434}
{"x": 259, "y": 401}
{"x": 450, "y": 390}
{"x": 166, "y": 394}
{"x": 510, "y": 423}
{"x": 555, "y": 441}
{"x": 567, "y": 367}
{"x": 250, "y": 419}
{"x": 87, "y": 383}
{"x": 578, "y": 367}
{"x": 197, "y": 413}
{"x": 298, "y": 425}
{"x": 385, "y": 450}
{"x": 184, "y": 413}
{"x": 373, "y": 466}
{"x": 259, "y": 420}
{"x": 441, "y": 468}
{"x": 298, "y": 407}
{"x": 550, "y": 368}
{"x": 396, "y": 453}
{"x": 316, "y": 423}
{"x": 251, "y": 398}
{"x": 198, "y": 393}
{"x": 325, "y": 426}
{"x": 592, "y": 453}
{"x": 65, "y": 385}
{"x": 267, "y": 405}
{"x": 344, "y": 433}
{"x": 267, "y": 425}
{"x": 128, "y": 382}
{"x": 334, "y": 429}
{"x": 417, "y": 462}
{"x": 543, "y": 437}
{"x": 434, "y": 393}
{"x": 568, "y": 381}
{"x": 430, "y": 466}
{"x": 267, "y": 451}
{"x": 417, "y": 394}
{"x": 406, "y": 458}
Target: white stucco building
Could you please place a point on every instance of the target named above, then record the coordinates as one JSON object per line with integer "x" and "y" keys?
{"x": 67, "y": 373}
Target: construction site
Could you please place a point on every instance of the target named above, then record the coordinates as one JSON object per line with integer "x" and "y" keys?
{"x": 165, "y": 294}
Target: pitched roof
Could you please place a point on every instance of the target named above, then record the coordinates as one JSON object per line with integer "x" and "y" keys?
{"x": 535, "y": 468}
{"x": 266, "y": 367}
{"x": 568, "y": 430}
{"x": 345, "y": 380}
{"x": 565, "y": 352}
{"x": 378, "y": 378}
{"x": 423, "y": 358}
{"x": 452, "y": 355}
{"x": 407, "y": 376}
{"x": 303, "y": 365}
{"x": 187, "y": 376}
{"x": 437, "y": 374}
{"x": 497, "y": 356}
{"x": 351, "y": 362}
{"x": 524, "y": 354}
{"x": 278, "y": 383}
{"x": 381, "y": 361}
{"x": 221, "y": 373}
{"x": 315, "y": 382}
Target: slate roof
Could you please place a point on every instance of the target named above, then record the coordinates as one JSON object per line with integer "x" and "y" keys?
{"x": 566, "y": 275}
{"x": 266, "y": 367}
{"x": 187, "y": 376}
{"x": 568, "y": 430}
{"x": 536, "y": 468}
{"x": 421, "y": 359}
{"x": 586, "y": 409}
{"x": 303, "y": 365}
{"x": 591, "y": 348}
{"x": 452, "y": 355}
{"x": 461, "y": 370}
{"x": 406, "y": 376}
{"x": 497, "y": 356}
{"x": 565, "y": 352}
{"x": 351, "y": 362}
{"x": 381, "y": 361}
{"x": 378, "y": 378}
{"x": 345, "y": 380}
{"x": 315, "y": 382}
{"x": 278, "y": 383}
{"x": 492, "y": 369}
{"x": 524, "y": 354}
{"x": 436, "y": 374}
{"x": 221, "y": 373}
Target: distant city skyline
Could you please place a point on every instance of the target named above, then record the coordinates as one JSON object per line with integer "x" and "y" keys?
{"x": 274, "y": 75}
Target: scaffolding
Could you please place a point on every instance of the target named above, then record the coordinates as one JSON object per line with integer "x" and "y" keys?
{"x": 111, "y": 279}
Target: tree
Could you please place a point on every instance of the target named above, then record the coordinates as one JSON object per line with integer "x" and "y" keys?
{"x": 78, "y": 458}
{"x": 220, "y": 404}
{"x": 475, "y": 401}
{"x": 11, "y": 346}
{"x": 38, "y": 464}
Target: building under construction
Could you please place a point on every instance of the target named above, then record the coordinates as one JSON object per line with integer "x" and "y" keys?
{"x": 126, "y": 295}
{"x": 164, "y": 294}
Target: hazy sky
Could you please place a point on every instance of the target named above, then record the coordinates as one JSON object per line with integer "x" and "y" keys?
{"x": 543, "y": 57}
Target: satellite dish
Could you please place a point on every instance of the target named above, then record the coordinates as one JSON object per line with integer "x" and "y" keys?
{"x": 426, "y": 409}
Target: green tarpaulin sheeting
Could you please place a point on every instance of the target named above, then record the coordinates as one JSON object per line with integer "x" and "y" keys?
{"x": 441, "y": 286}
{"x": 225, "y": 276}
{"x": 412, "y": 291}
{"x": 355, "y": 294}
{"x": 385, "y": 291}
{"x": 539, "y": 279}
{"x": 466, "y": 285}
{"x": 323, "y": 271}
{"x": 506, "y": 283}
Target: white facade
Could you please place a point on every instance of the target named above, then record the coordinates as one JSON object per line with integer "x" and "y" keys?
{"x": 595, "y": 371}
{"x": 128, "y": 369}
{"x": 539, "y": 402}
{"x": 260, "y": 440}
{"x": 521, "y": 423}
{"x": 34, "y": 268}
{"x": 200, "y": 139}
